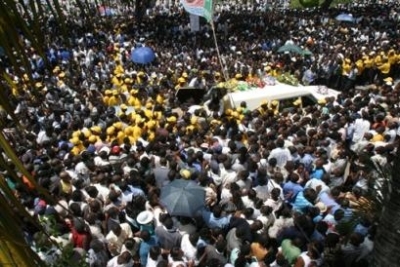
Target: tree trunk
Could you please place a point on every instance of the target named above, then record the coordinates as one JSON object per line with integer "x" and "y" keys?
{"x": 387, "y": 241}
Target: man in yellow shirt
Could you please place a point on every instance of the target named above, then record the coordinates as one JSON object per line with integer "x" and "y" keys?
{"x": 115, "y": 99}
{"x": 369, "y": 71}
{"x": 384, "y": 69}
{"x": 181, "y": 83}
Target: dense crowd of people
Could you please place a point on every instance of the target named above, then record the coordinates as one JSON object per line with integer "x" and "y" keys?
{"x": 104, "y": 136}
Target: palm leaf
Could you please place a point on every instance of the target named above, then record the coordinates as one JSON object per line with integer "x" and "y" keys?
{"x": 14, "y": 249}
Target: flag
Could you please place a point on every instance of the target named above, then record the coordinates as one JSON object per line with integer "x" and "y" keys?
{"x": 202, "y": 8}
{"x": 208, "y": 10}
{"x": 194, "y": 23}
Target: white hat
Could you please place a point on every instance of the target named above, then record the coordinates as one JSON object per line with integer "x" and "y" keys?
{"x": 145, "y": 217}
{"x": 105, "y": 149}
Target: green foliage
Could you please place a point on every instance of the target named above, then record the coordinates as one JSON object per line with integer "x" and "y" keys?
{"x": 287, "y": 78}
{"x": 68, "y": 258}
{"x": 313, "y": 3}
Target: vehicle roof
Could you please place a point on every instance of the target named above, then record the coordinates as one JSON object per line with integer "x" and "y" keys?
{"x": 282, "y": 91}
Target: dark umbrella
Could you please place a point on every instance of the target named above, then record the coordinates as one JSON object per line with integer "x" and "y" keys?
{"x": 290, "y": 48}
{"x": 182, "y": 198}
{"x": 143, "y": 55}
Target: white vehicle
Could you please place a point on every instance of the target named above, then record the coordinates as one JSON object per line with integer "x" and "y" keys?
{"x": 286, "y": 95}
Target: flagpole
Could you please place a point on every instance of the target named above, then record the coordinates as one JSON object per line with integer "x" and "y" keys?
{"x": 224, "y": 71}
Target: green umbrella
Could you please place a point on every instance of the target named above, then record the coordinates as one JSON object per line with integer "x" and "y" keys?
{"x": 307, "y": 52}
{"x": 291, "y": 48}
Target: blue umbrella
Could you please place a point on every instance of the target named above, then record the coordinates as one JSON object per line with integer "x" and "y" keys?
{"x": 143, "y": 55}
{"x": 345, "y": 17}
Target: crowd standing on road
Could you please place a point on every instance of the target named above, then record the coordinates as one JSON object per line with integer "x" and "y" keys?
{"x": 104, "y": 136}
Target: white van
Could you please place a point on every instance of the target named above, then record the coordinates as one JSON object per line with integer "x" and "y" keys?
{"x": 286, "y": 95}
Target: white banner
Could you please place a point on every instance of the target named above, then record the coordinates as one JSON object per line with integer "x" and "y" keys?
{"x": 194, "y": 23}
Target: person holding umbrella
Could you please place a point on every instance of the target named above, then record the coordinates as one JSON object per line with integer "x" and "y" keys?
{"x": 167, "y": 234}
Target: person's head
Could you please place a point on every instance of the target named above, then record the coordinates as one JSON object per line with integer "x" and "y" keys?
{"x": 168, "y": 223}
{"x": 256, "y": 226}
{"x": 240, "y": 232}
{"x": 280, "y": 142}
{"x": 176, "y": 253}
{"x": 275, "y": 193}
{"x": 124, "y": 257}
{"x": 97, "y": 245}
{"x": 220, "y": 245}
{"x": 310, "y": 194}
{"x": 217, "y": 211}
{"x": 162, "y": 263}
{"x": 130, "y": 244}
{"x": 294, "y": 177}
{"x": 272, "y": 162}
{"x": 145, "y": 235}
{"x": 155, "y": 252}
{"x": 313, "y": 250}
{"x": 79, "y": 225}
{"x": 321, "y": 227}
{"x": 266, "y": 210}
{"x": 356, "y": 239}
{"x": 92, "y": 191}
{"x": 116, "y": 229}
{"x": 194, "y": 238}
{"x": 338, "y": 215}
{"x": 248, "y": 213}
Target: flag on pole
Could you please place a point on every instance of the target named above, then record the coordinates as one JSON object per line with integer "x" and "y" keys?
{"x": 202, "y": 8}
{"x": 208, "y": 10}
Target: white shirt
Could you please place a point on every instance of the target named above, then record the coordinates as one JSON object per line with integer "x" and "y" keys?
{"x": 114, "y": 263}
{"x": 190, "y": 251}
{"x": 282, "y": 155}
{"x": 118, "y": 241}
{"x": 361, "y": 126}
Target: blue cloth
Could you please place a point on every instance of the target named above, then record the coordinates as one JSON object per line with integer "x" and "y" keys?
{"x": 293, "y": 189}
{"x": 361, "y": 229}
{"x": 317, "y": 174}
{"x": 308, "y": 161}
{"x": 317, "y": 236}
{"x": 325, "y": 198}
{"x": 144, "y": 249}
{"x": 213, "y": 222}
{"x": 301, "y": 204}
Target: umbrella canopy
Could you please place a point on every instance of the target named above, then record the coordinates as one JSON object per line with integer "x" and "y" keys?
{"x": 182, "y": 198}
{"x": 143, "y": 55}
{"x": 307, "y": 52}
{"x": 345, "y": 17}
{"x": 290, "y": 48}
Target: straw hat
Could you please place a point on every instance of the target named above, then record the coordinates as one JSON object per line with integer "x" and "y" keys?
{"x": 322, "y": 207}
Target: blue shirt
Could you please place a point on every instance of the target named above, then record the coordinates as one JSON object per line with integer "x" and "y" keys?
{"x": 301, "y": 204}
{"x": 292, "y": 188}
{"x": 325, "y": 198}
{"x": 308, "y": 161}
{"x": 145, "y": 249}
{"x": 317, "y": 174}
{"x": 214, "y": 222}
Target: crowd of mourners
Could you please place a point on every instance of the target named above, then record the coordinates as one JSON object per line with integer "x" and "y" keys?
{"x": 104, "y": 136}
